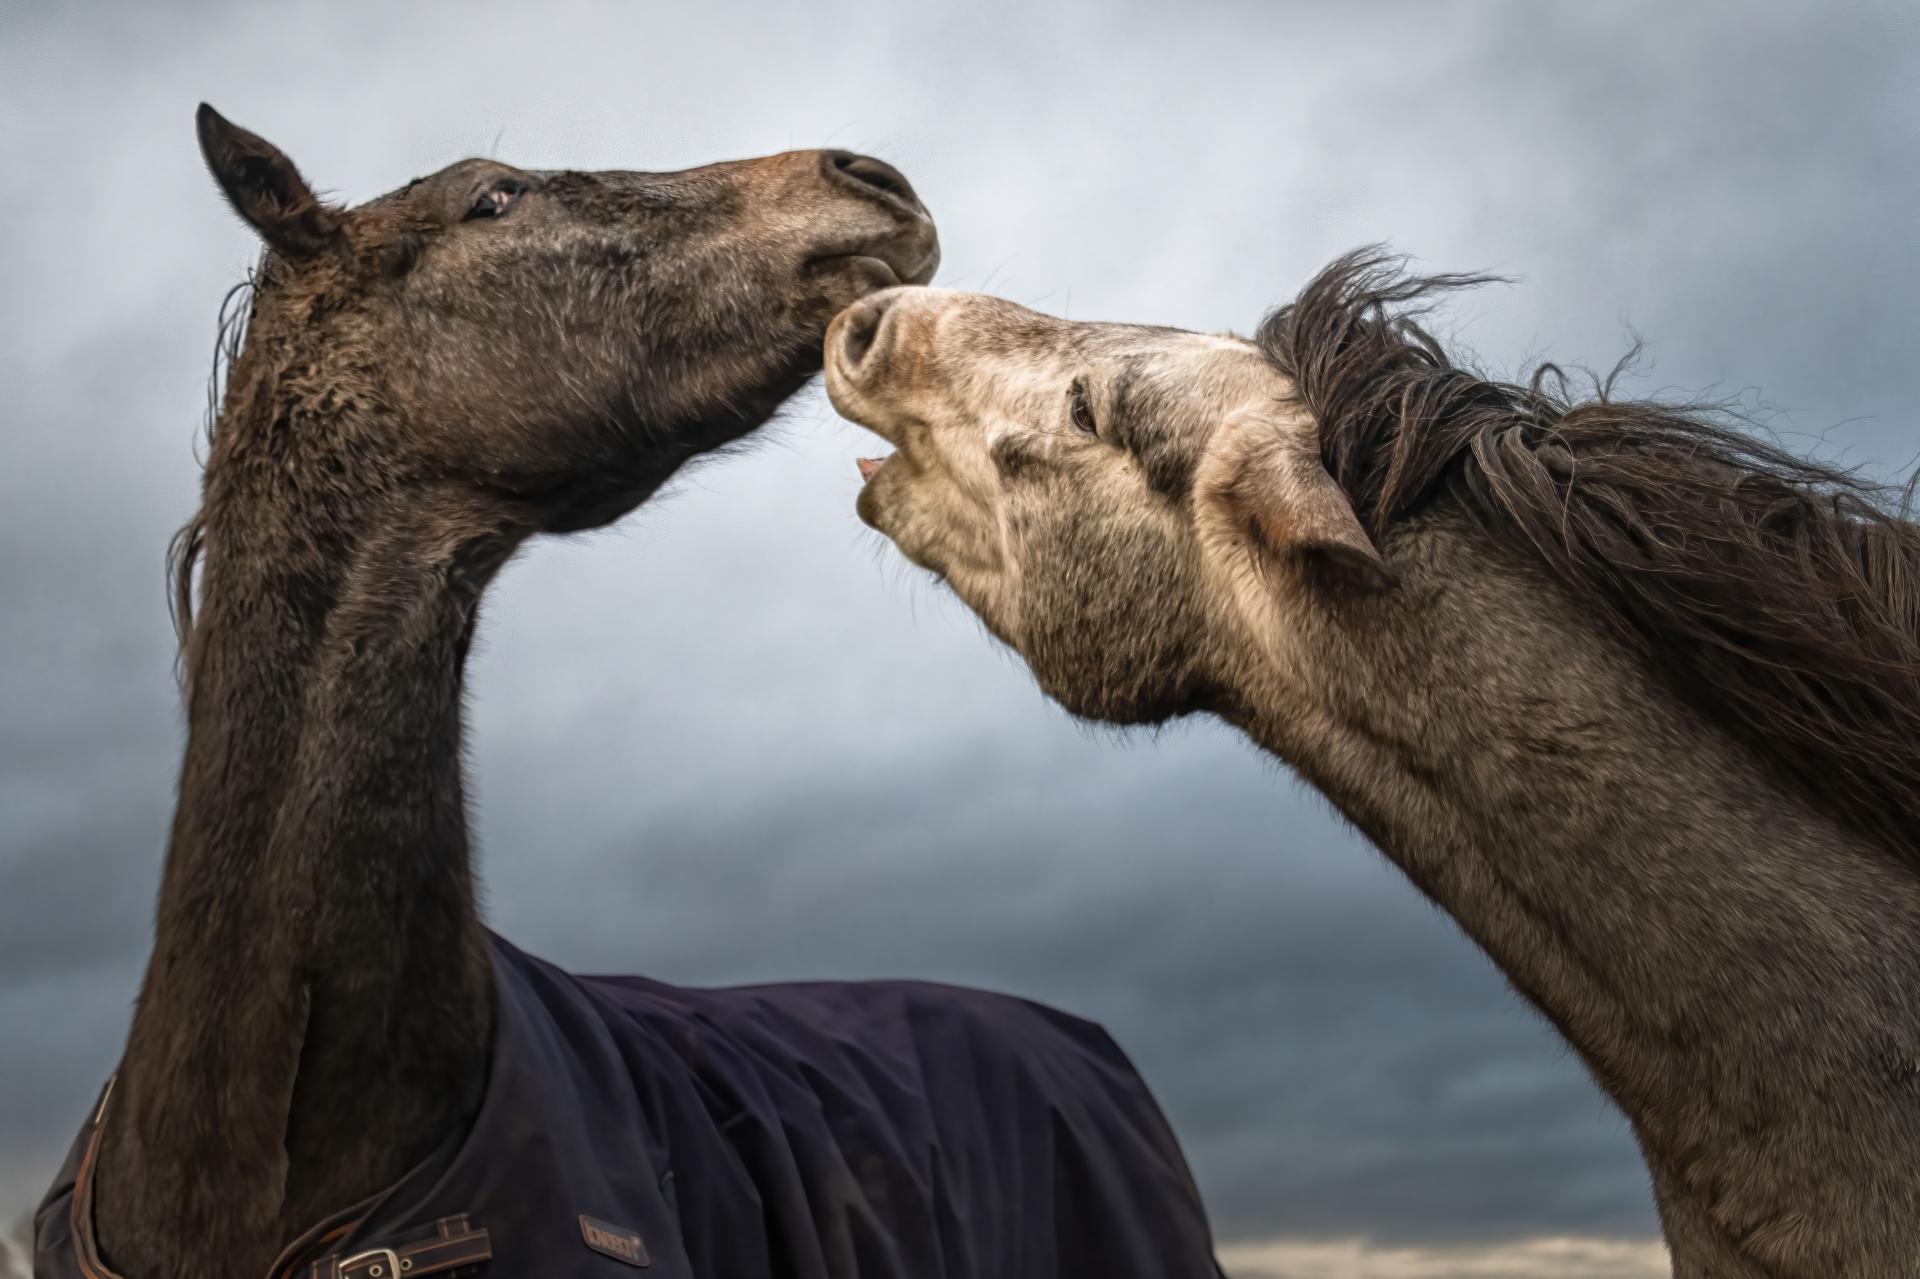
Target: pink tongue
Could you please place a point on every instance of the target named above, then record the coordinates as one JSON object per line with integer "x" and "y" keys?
{"x": 868, "y": 465}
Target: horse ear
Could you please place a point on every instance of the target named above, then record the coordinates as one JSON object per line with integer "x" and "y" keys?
{"x": 264, "y": 187}
{"x": 1266, "y": 470}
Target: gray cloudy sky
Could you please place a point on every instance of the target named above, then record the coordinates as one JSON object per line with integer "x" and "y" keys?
{"x": 774, "y": 751}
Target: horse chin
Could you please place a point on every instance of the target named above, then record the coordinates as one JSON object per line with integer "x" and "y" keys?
{"x": 876, "y": 272}
{"x": 909, "y": 258}
{"x": 840, "y": 281}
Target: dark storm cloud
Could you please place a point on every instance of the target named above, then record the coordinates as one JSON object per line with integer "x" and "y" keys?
{"x": 771, "y": 749}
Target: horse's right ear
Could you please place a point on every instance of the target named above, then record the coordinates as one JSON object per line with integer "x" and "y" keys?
{"x": 265, "y": 188}
{"x": 1263, "y": 476}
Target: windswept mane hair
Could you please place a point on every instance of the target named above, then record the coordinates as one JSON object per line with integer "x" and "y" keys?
{"x": 1780, "y": 597}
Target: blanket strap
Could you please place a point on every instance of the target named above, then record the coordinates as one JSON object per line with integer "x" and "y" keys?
{"x": 449, "y": 1243}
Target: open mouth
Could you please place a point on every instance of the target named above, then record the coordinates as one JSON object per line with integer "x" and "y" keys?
{"x": 860, "y": 344}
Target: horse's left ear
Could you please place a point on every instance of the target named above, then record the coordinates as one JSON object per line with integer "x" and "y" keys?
{"x": 1265, "y": 475}
{"x": 265, "y": 188}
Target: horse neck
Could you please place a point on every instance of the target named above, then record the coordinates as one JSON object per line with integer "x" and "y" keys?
{"x": 314, "y": 1016}
{"x": 1665, "y": 904}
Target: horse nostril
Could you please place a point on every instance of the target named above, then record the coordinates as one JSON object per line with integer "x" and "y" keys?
{"x": 874, "y": 173}
{"x": 862, "y": 325}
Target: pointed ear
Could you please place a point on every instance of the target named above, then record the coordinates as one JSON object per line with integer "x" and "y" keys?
{"x": 264, "y": 188}
{"x": 1265, "y": 469}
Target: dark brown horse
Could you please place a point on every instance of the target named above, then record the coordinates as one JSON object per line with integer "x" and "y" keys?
{"x": 1630, "y": 693}
{"x": 424, "y": 382}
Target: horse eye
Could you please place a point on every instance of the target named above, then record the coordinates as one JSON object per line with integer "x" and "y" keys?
{"x": 1080, "y": 408}
{"x": 496, "y": 200}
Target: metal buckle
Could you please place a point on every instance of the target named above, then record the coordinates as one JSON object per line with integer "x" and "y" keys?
{"x": 393, "y": 1261}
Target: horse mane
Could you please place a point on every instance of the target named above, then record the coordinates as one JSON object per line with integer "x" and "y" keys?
{"x": 1778, "y": 596}
{"x": 184, "y": 547}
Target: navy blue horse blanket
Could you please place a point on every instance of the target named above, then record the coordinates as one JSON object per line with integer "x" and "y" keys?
{"x": 883, "y": 1130}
